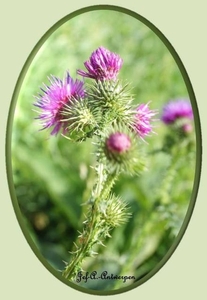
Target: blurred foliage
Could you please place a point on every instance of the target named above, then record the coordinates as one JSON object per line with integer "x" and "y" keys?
{"x": 52, "y": 176}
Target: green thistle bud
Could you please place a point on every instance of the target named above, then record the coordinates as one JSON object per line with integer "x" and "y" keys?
{"x": 114, "y": 211}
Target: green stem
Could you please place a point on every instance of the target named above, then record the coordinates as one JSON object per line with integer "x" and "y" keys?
{"x": 80, "y": 253}
{"x": 89, "y": 236}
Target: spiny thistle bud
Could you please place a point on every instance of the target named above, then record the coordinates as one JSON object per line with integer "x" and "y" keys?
{"x": 119, "y": 151}
{"x": 54, "y": 100}
{"x": 118, "y": 143}
{"x": 102, "y": 65}
{"x": 114, "y": 211}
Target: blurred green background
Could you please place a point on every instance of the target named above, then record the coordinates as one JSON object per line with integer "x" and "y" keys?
{"x": 52, "y": 176}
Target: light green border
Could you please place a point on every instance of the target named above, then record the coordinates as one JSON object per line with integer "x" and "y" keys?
{"x": 198, "y": 147}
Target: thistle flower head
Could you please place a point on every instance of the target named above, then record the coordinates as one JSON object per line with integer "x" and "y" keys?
{"x": 143, "y": 118}
{"x": 54, "y": 99}
{"x": 102, "y": 65}
{"x": 177, "y": 109}
{"x": 179, "y": 113}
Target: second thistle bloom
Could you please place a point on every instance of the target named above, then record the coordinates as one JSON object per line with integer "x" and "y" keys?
{"x": 143, "y": 118}
{"x": 102, "y": 65}
{"x": 177, "y": 109}
{"x": 178, "y": 112}
{"x": 55, "y": 98}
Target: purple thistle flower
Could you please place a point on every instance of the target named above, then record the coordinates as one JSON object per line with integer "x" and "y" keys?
{"x": 102, "y": 65}
{"x": 175, "y": 110}
{"x": 118, "y": 143}
{"x": 53, "y": 100}
{"x": 142, "y": 120}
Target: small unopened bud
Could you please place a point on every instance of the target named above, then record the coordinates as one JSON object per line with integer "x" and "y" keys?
{"x": 119, "y": 151}
{"x": 118, "y": 143}
{"x": 187, "y": 128}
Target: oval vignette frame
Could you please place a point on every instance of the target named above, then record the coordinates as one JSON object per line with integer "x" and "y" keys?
{"x": 198, "y": 148}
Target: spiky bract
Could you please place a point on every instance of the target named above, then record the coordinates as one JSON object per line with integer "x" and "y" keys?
{"x": 81, "y": 119}
{"x": 113, "y": 100}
